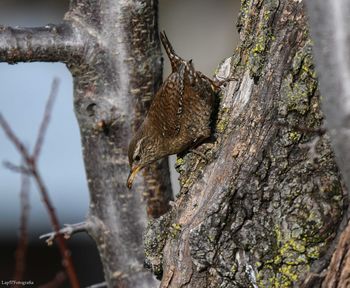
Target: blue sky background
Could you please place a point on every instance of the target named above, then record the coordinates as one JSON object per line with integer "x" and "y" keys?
{"x": 23, "y": 94}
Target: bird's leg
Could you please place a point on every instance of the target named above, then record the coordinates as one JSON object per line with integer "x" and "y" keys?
{"x": 200, "y": 154}
{"x": 197, "y": 142}
{"x": 217, "y": 83}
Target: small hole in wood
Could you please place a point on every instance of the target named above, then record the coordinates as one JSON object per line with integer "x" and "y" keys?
{"x": 91, "y": 109}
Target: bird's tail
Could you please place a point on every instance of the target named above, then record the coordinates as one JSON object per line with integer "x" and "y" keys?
{"x": 175, "y": 60}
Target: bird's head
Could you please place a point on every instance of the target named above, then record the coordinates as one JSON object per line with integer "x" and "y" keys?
{"x": 142, "y": 151}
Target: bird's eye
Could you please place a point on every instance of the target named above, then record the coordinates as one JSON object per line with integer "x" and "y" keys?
{"x": 137, "y": 158}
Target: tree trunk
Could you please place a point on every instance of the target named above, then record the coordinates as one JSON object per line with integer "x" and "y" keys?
{"x": 112, "y": 50}
{"x": 266, "y": 206}
{"x": 330, "y": 23}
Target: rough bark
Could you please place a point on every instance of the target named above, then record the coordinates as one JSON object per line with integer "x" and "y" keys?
{"x": 330, "y": 23}
{"x": 265, "y": 208}
{"x": 112, "y": 50}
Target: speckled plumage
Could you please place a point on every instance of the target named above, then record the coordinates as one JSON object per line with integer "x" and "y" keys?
{"x": 179, "y": 116}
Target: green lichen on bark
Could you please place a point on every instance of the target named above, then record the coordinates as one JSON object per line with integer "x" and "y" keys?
{"x": 309, "y": 207}
{"x": 261, "y": 210}
{"x": 157, "y": 232}
{"x": 222, "y": 121}
{"x": 262, "y": 31}
{"x": 298, "y": 93}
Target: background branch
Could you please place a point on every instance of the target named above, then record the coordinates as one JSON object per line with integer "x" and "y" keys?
{"x": 113, "y": 53}
{"x": 67, "y": 231}
{"x": 51, "y": 43}
{"x": 59, "y": 279}
{"x": 21, "y": 251}
{"x": 330, "y": 24}
{"x": 31, "y": 164}
{"x": 46, "y": 119}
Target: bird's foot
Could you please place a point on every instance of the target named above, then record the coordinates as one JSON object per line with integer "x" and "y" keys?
{"x": 218, "y": 83}
{"x": 200, "y": 154}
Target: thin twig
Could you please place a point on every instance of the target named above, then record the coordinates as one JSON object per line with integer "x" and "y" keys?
{"x": 21, "y": 251}
{"x": 13, "y": 138}
{"x": 56, "y": 282}
{"x": 16, "y": 168}
{"x": 31, "y": 164}
{"x": 98, "y": 285}
{"x": 66, "y": 255}
{"x": 46, "y": 118}
{"x": 67, "y": 231}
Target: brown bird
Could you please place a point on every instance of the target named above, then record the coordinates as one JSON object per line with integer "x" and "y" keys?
{"x": 179, "y": 117}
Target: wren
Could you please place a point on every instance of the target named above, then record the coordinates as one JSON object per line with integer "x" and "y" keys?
{"x": 179, "y": 117}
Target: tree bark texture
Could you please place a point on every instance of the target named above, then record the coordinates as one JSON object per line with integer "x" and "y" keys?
{"x": 112, "y": 50}
{"x": 330, "y": 22}
{"x": 266, "y": 206}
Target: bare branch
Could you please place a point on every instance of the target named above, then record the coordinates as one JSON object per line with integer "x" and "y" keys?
{"x": 51, "y": 43}
{"x": 67, "y": 231}
{"x": 21, "y": 251}
{"x": 13, "y": 138}
{"x": 329, "y": 24}
{"x": 31, "y": 163}
{"x": 46, "y": 118}
{"x": 16, "y": 168}
{"x": 56, "y": 282}
{"x": 67, "y": 259}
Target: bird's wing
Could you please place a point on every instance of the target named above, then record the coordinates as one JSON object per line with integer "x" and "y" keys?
{"x": 167, "y": 106}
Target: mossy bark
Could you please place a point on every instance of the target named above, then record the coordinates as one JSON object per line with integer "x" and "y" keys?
{"x": 260, "y": 211}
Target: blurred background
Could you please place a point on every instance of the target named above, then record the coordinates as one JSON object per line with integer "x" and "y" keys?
{"x": 202, "y": 30}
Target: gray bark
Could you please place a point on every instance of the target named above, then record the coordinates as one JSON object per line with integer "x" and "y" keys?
{"x": 265, "y": 208}
{"x": 330, "y": 24}
{"x": 112, "y": 50}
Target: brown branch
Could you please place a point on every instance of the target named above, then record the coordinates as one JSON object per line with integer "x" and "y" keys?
{"x": 338, "y": 272}
{"x": 66, "y": 255}
{"x": 46, "y": 119}
{"x": 21, "y": 251}
{"x": 13, "y": 138}
{"x": 56, "y": 282}
{"x": 158, "y": 190}
{"x": 31, "y": 164}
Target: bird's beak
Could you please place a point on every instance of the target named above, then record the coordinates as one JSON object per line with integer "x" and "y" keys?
{"x": 132, "y": 175}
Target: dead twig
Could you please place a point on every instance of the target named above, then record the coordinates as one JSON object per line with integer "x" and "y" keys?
{"x": 30, "y": 162}
{"x": 16, "y": 168}
{"x": 67, "y": 231}
{"x": 46, "y": 119}
{"x": 59, "y": 279}
{"x": 21, "y": 251}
